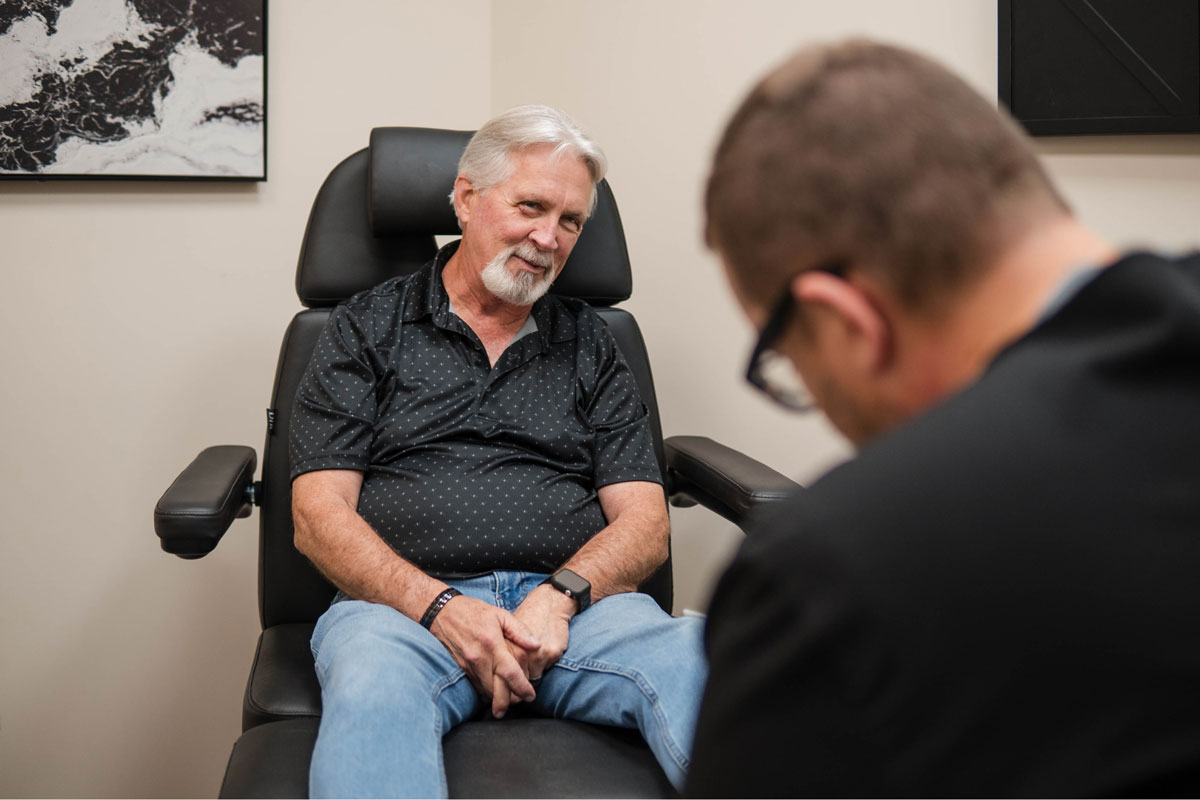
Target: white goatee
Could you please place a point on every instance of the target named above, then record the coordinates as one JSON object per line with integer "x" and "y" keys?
{"x": 522, "y": 288}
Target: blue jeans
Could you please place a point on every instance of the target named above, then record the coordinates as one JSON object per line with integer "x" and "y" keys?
{"x": 390, "y": 690}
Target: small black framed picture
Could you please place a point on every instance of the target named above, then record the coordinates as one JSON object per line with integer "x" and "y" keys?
{"x": 1072, "y": 67}
{"x": 133, "y": 89}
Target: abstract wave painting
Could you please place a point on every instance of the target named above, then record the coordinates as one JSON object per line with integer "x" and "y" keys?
{"x": 133, "y": 89}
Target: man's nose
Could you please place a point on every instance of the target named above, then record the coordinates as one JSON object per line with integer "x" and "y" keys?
{"x": 544, "y": 235}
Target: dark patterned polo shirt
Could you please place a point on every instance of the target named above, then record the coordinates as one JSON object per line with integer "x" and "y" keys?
{"x": 470, "y": 468}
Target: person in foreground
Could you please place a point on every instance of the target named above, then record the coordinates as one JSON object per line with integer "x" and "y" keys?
{"x": 998, "y": 595}
{"x": 473, "y": 469}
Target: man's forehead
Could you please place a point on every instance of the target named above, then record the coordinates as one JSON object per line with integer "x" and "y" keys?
{"x": 550, "y": 174}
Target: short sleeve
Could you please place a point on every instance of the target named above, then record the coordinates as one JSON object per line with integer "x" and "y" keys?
{"x": 333, "y": 415}
{"x": 623, "y": 448}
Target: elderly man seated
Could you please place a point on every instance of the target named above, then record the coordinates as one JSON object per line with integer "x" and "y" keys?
{"x": 473, "y": 469}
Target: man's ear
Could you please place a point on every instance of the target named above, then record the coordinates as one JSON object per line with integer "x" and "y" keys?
{"x": 849, "y": 314}
{"x": 464, "y": 198}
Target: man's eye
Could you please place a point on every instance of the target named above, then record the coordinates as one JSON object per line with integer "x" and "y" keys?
{"x": 573, "y": 223}
{"x": 531, "y": 205}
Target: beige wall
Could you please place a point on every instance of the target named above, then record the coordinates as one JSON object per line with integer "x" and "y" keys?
{"x": 142, "y": 323}
{"x": 654, "y": 82}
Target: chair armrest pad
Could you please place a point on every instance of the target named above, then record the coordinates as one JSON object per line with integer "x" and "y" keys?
{"x": 721, "y": 479}
{"x": 194, "y": 513}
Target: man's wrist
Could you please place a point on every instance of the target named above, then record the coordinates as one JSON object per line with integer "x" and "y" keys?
{"x": 573, "y": 586}
{"x": 559, "y": 601}
{"x": 437, "y": 605}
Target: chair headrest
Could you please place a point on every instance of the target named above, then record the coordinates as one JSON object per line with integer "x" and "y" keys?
{"x": 377, "y": 212}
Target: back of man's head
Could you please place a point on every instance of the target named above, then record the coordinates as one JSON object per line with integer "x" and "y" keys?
{"x": 877, "y": 157}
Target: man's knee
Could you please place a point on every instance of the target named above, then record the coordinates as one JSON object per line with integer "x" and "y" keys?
{"x": 634, "y": 616}
{"x": 368, "y": 652}
{"x": 633, "y": 631}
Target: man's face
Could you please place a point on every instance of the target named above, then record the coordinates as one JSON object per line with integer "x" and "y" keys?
{"x": 521, "y": 231}
{"x": 853, "y": 408}
{"x": 825, "y": 361}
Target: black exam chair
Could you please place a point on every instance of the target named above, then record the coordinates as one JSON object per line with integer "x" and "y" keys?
{"x": 375, "y": 217}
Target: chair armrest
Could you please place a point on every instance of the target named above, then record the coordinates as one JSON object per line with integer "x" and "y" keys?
{"x": 721, "y": 479}
{"x": 215, "y": 489}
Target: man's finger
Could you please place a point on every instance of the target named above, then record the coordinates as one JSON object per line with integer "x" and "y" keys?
{"x": 501, "y": 697}
{"x": 521, "y": 657}
{"x": 482, "y": 684}
{"x": 518, "y": 633}
{"x": 508, "y": 670}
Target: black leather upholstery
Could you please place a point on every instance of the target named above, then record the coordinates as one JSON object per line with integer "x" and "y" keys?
{"x": 204, "y": 500}
{"x": 490, "y": 759}
{"x": 367, "y": 224}
{"x": 483, "y": 759}
{"x": 410, "y": 173}
{"x": 290, "y": 589}
{"x": 340, "y": 255}
{"x": 272, "y": 760}
{"x": 625, "y": 330}
{"x": 721, "y": 478}
{"x": 283, "y": 684}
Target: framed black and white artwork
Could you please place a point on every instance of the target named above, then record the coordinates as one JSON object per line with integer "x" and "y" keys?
{"x": 163, "y": 89}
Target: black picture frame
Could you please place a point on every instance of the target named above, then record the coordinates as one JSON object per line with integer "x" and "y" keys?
{"x": 1072, "y": 67}
{"x": 174, "y": 100}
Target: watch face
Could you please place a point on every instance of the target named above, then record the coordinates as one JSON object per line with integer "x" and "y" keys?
{"x": 576, "y": 585}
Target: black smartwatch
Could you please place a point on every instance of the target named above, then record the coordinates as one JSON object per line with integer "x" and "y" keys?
{"x": 573, "y": 586}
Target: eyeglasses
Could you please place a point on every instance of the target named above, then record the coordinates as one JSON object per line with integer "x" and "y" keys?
{"x": 772, "y": 372}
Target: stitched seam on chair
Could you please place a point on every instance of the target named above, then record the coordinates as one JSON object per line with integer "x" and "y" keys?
{"x": 681, "y": 758}
{"x": 193, "y": 514}
{"x": 252, "y": 701}
{"x": 728, "y": 477}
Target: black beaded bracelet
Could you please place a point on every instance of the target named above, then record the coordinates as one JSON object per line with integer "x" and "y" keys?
{"x": 437, "y": 605}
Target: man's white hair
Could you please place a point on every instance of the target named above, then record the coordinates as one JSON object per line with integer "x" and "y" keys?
{"x": 487, "y": 160}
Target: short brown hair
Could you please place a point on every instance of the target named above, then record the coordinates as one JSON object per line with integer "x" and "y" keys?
{"x": 877, "y": 157}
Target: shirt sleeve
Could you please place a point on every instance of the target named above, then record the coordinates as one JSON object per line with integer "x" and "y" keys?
{"x": 622, "y": 446}
{"x": 333, "y": 415}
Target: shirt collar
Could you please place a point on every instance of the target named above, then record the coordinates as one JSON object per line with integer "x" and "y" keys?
{"x": 427, "y": 296}
{"x": 1066, "y": 291}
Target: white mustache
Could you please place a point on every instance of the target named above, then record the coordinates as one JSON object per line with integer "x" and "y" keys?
{"x": 534, "y": 256}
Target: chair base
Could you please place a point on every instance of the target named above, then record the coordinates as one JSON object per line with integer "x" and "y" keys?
{"x": 483, "y": 759}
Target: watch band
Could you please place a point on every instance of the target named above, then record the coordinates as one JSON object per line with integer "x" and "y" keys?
{"x": 437, "y": 605}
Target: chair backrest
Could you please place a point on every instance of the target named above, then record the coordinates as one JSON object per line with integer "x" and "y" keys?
{"x": 375, "y": 217}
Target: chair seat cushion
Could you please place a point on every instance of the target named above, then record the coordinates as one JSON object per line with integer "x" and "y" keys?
{"x": 271, "y": 760}
{"x": 531, "y": 757}
{"x": 483, "y": 759}
{"x": 283, "y": 684}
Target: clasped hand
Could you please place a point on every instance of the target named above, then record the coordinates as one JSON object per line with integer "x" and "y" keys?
{"x": 503, "y": 653}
